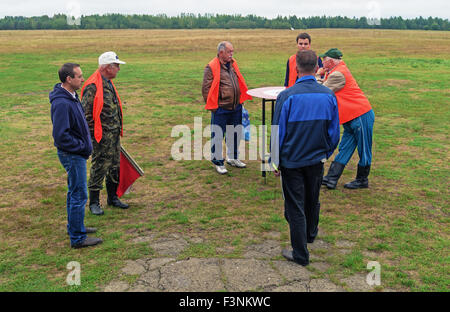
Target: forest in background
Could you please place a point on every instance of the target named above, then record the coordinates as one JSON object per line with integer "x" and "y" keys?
{"x": 215, "y": 21}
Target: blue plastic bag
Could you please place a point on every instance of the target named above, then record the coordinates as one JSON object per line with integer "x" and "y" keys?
{"x": 246, "y": 124}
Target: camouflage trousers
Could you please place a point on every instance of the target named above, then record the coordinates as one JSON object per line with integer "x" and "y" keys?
{"x": 105, "y": 160}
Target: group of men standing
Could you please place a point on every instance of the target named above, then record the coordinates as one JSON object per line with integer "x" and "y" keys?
{"x": 319, "y": 96}
{"x": 81, "y": 128}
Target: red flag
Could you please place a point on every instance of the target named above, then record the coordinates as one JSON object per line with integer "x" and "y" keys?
{"x": 129, "y": 172}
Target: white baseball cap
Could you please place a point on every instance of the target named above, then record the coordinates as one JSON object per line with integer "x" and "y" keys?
{"x": 109, "y": 58}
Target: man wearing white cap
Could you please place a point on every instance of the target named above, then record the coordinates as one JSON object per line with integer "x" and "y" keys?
{"x": 103, "y": 110}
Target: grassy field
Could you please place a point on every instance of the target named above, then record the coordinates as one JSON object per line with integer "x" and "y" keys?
{"x": 402, "y": 220}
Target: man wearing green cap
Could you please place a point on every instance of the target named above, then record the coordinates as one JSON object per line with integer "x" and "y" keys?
{"x": 356, "y": 116}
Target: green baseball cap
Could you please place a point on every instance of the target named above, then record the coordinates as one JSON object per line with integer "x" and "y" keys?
{"x": 333, "y": 53}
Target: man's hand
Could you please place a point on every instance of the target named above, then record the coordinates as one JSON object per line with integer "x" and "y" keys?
{"x": 321, "y": 71}
{"x": 276, "y": 173}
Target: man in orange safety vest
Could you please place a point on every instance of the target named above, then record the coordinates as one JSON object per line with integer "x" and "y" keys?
{"x": 355, "y": 115}
{"x": 224, "y": 91}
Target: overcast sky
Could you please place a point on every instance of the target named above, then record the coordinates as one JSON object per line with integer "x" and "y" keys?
{"x": 301, "y": 8}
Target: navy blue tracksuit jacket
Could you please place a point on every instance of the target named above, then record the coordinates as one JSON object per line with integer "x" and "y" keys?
{"x": 308, "y": 125}
{"x": 70, "y": 129}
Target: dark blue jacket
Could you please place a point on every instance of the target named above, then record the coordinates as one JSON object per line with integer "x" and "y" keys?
{"x": 305, "y": 127}
{"x": 70, "y": 129}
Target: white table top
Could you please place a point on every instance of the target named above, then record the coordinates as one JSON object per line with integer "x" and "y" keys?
{"x": 268, "y": 93}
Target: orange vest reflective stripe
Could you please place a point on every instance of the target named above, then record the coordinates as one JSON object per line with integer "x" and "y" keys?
{"x": 212, "y": 101}
{"x": 293, "y": 73}
{"x": 351, "y": 100}
{"x": 96, "y": 78}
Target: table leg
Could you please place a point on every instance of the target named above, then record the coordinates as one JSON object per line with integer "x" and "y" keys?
{"x": 271, "y": 116}
{"x": 263, "y": 158}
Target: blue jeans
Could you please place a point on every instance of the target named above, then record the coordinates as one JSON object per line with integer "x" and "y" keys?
{"x": 357, "y": 133}
{"x": 77, "y": 195}
{"x": 221, "y": 119}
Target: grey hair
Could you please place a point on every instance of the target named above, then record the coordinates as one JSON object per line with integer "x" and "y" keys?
{"x": 222, "y": 46}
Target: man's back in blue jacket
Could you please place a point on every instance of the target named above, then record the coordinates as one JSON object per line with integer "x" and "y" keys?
{"x": 305, "y": 126}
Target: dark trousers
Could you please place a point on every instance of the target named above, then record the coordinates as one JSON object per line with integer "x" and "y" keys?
{"x": 221, "y": 119}
{"x": 301, "y": 187}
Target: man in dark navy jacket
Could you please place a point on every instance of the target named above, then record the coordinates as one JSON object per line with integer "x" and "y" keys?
{"x": 73, "y": 142}
{"x": 305, "y": 132}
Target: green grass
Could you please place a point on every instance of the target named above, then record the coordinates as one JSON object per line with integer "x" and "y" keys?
{"x": 401, "y": 220}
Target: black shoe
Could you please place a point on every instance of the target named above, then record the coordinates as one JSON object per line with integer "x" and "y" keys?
{"x": 113, "y": 199}
{"x": 334, "y": 173}
{"x": 115, "y": 202}
{"x": 89, "y": 241}
{"x": 290, "y": 257}
{"x": 361, "y": 180}
{"x": 94, "y": 203}
{"x": 287, "y": 254}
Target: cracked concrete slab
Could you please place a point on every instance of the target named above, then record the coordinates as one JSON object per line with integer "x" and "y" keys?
{"x": 294, "y": 287}
{"x": 192, "y": 274}
{"x": 321, "y": 266}
{"x": 150, "y": 279}
{"x": 249, "y": 274}
{"x": 267, "y": 249}
{"x": 171, "y": 246}
{"x": 258, "y": 270}
{"x": 143, "y": 288}
{"x": 134, "y": 267}
{"x": 292, "y": 271}
{"x": 156, "y": 263}
{"x": 117, "y": 286}
{"x": 143, "y": 239}
{"x": 324, "y": 285}
{"x": 319, "y": 244}
{"x": 357, "y": 283}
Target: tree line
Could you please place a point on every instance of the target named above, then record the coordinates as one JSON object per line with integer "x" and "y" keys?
{"x": 192, "y": 21}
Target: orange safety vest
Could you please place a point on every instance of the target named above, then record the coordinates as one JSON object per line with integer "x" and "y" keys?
{"x": 96, "y": 78}
{"x": 351, "y": 100}
{"x": 212, "y": 101}
{"x": 293, "y": 72}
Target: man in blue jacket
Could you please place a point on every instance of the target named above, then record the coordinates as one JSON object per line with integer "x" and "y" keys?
{"x": 305, "y": 132}
{"x": 73, "y": 142}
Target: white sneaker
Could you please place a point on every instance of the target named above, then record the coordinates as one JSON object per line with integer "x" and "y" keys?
{"x": 236, "y": 163}
{"x": 221, "y": 169}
